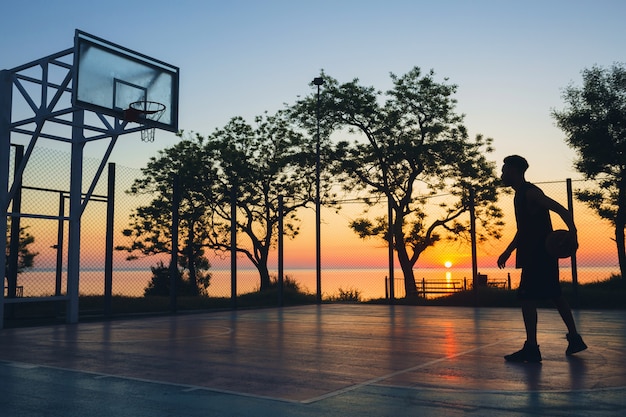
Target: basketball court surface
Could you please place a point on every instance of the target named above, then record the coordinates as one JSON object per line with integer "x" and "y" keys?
{"x": 328, "y": 360}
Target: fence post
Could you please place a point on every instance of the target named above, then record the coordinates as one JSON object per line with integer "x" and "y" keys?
{"x": 233, "y": 246}
{"x": 472, "y": 212}
{"x": 174, "y": 253}
{"x": 386, "y": 288}
{"x": 108, "y": 250}
{"x": 59, "y": 247}
{"x": 281, "y": 300}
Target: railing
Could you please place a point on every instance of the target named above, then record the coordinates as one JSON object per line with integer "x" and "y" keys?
{"x": 19, "y": 291}
{"x": 425, "y": 287}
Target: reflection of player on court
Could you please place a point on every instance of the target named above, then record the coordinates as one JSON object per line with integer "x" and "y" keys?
{"x": 540, "y": 270}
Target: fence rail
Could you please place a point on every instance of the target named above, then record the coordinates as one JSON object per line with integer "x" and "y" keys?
{"x": 426, "y": 287}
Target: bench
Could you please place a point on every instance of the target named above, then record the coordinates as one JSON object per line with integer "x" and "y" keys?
{"x": 439, "y": 286}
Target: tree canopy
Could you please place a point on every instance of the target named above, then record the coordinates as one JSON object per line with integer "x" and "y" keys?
{"x": 248, "y": 166}
{"x": 410, "y": 145}
{"x": 25, "y": 256}
{"x": 259, "y": 163}
{"x": 594, "y": 121}
{"x": 151, "y": 225}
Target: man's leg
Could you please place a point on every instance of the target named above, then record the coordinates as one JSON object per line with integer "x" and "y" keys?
{"x": 576, "y": 343}
{"x": 530, "y": 352}
{"x": 529, "y": 312}
{"x": 566, "y": 313}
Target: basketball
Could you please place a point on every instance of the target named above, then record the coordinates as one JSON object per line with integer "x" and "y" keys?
{"x": 561, "y": 244}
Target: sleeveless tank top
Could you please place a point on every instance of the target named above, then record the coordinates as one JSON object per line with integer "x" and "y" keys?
{"x": 533, "y": 226}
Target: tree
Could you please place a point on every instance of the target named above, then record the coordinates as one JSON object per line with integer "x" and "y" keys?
{"x": 410, "y": 147}
{"x": 259, "y": 163}
{"x": 594, "y": 121}
{"x": 25, "y": 256}
{"x": 159, "y": 285}
{"x": 150, "y": 228}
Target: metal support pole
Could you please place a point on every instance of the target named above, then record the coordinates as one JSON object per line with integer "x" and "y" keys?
{"x": 108, "y": 249}
{"x": 14, "y": 242}
{"x": 6, "y": 104}
{"x": 318, "y": 81}
{"x": 76, "y": 182}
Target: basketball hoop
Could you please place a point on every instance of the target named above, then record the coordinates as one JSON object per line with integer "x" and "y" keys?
{"x": 144, "y": 109}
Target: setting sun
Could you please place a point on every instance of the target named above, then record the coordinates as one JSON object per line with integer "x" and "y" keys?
{"x": 447, "y": 264}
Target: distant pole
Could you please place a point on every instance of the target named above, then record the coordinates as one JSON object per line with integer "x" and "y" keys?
{"x": 318, "y": 81}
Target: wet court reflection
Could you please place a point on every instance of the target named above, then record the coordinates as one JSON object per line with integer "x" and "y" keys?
{"x": 312, "y": 352}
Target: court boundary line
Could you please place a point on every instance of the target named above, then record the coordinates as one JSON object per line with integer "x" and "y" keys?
{"x": 374, "y": 381}
{"x": 183, "y": 387}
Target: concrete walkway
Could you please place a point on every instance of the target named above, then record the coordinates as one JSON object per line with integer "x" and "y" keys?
{"x": 330, "y": 360}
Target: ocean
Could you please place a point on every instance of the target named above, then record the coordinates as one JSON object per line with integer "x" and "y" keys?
{"x": 370, "y": 283}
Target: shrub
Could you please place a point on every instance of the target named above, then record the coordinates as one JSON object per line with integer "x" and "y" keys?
{"x": 159, "y": 285}
{"x": 351, "y": 295}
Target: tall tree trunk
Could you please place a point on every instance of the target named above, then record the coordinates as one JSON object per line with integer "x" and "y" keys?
{"x": 265, "y": 275}
{"x": 191, "y": 262}
{"x": 406, "y": 265}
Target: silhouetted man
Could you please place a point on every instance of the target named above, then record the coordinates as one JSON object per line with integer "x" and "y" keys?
{"x": 540, "y": 270}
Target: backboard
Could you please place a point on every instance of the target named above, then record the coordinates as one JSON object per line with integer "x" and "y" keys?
{"x": 110, "y": 77}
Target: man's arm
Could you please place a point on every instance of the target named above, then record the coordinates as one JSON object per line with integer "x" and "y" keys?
{"x": 542, "y": 200}
{"x": 507, "y": 253}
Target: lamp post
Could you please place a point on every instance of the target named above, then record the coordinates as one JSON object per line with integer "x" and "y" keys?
{"x": 318, "y": 81}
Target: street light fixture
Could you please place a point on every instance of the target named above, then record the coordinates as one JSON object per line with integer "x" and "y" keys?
{"x": 318, "y": 81}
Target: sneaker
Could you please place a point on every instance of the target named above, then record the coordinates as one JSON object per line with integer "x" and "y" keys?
{"x": 575, "y": 345}
{"x": 528, "y": 353}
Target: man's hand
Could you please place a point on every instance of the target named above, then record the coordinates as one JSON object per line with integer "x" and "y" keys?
{"x": 503, "y": 258}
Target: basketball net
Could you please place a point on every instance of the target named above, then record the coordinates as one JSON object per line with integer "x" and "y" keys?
{"x": 144, "y": 109}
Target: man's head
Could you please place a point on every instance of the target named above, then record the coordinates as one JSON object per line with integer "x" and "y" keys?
{"x": 513, "y": 170}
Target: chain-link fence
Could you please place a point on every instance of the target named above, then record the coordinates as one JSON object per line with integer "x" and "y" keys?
{"x": 351, "y": 267}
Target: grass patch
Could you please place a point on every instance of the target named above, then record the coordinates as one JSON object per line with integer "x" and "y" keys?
{"x": 603, "y": 294}
{"x": 349, "y": 295}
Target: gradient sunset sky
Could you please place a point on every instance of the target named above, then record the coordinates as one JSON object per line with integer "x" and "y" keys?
{"x": 510, "y": 59}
